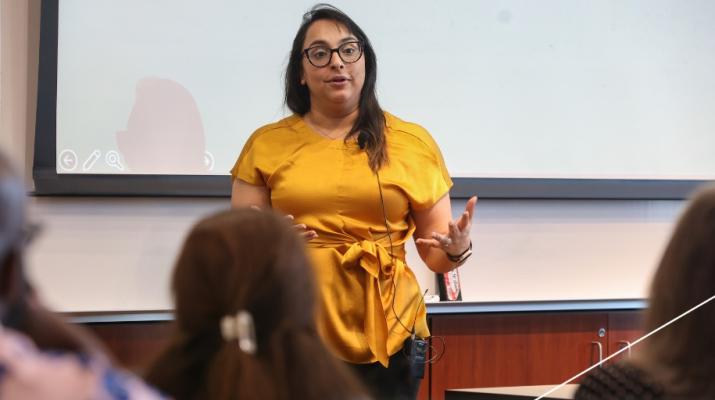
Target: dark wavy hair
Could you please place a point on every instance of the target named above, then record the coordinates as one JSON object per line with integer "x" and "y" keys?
{"x": 253, "y": 261}
{"x": 682, "y": 356}
{"x": 370, "y": 123}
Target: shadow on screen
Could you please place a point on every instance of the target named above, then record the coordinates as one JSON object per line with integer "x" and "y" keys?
{"x": 165, "y": 133}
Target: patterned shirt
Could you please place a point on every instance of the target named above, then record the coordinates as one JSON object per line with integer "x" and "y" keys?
{"x": 28, "y": 373}
{"x": 618, "y": 381}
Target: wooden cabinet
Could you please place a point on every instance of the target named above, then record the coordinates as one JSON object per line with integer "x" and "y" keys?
{"x": 514, "y": 349}
{"x": 519, "y": 349}
{"x": 134, "y": 345}
{"x": 624, "y": 328}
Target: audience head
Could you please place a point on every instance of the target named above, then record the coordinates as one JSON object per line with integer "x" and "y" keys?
{"x": 19, "y": 307}
{"x": 245, "y": 316}
{"x": 682, "y": 355}
{"x": 12, "y": 223}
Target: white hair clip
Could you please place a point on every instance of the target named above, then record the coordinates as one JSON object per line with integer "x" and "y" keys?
{"x": 240, "y": 327}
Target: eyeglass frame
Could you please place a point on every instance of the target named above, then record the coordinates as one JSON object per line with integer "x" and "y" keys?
{"x": 334, "y": 50}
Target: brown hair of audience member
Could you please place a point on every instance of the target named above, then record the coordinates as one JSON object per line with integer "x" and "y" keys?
{"x": 247, "y": 260}
{"x": 681, "y": 356}
{"x": 19, "y": 307}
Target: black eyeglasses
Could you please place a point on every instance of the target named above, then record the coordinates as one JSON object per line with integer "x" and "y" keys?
{"x": 319, "y": 56}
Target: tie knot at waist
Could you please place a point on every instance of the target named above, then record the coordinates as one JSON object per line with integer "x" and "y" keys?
{"x": 375, "y": 258}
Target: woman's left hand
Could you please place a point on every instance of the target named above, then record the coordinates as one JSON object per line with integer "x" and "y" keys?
{"x": 456, "y": 241}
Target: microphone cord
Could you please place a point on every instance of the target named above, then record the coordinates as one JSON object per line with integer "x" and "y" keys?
{"x": 392, "y": 257}
{"x": 439, "y": 354}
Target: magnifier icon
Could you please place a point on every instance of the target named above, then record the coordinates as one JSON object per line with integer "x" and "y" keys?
{"x": 113, "y": 160}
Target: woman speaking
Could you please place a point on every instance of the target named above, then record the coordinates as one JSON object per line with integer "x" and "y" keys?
{"x": 359, "y": 182}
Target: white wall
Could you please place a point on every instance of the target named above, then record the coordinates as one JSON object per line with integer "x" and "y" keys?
{"x": 559, "y": 249}
{"x": 116, "y": 253}
{"x": 104, "y": 254}
{"x": 108, "y": 254}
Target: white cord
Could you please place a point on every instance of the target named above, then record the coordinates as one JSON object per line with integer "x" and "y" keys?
{"x": 626, "y": 348}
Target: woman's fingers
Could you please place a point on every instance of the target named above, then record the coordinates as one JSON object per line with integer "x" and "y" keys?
{"x": 303, "y": 231}
{"x": 309, "y": 235}
{"x": 465, "y": 220}
{"x": 454, "y": 229}
{"x": 440, "y": 239}
{"x": 428, "y": 242}
{"x": 471, "y": 203}
{"x": 444, "y": 240}
{"x": 306, "y": 233}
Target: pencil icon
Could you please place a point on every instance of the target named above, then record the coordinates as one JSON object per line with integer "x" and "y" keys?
{"x": 89, "y": 162}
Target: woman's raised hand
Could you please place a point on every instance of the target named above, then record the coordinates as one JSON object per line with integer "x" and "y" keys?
{"x": 456, "y": 241}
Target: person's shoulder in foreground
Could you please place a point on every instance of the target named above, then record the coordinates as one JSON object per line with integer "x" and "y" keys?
{"x": 619, "y": 381}
{"x": 28, "y": 373}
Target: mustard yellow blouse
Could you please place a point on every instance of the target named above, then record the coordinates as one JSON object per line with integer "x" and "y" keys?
{"x": 328, "y": 185}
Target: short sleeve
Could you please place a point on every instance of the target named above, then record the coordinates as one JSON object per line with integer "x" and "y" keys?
{"x": 248, "y": 167}
{"x": 428, "y": 179}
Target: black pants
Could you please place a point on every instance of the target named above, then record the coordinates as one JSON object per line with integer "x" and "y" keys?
{"x": 396, "y": 382}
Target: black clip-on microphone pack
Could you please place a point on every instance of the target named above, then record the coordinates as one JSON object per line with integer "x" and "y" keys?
{"x": 418, "y": 356}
